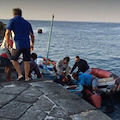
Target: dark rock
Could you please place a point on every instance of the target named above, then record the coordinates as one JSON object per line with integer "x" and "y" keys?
{"x": 50, "y": 88}
{"x": 1, "y": 25}
{"x": 90, "y": 115}
{"x": 33, "y": 114}
{"x": 12, "y": 89}
{"x": 5, "y": 99}
{"x": 2, "y": 30}
{"x": 39, "y": 30}
{"x": 14, "y": 110}
{"x": 33, "y": 92}
{"x": 43, "y": 104}
{"x": 27, "y": 99}
{"x": 58, "y": 112}
{"x": 70, "y": 103}
{"x": 4, "y": 119}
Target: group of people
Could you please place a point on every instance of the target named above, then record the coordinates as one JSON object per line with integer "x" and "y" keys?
{"x": 81, "y": 77}
{"x": 22, "y": 44}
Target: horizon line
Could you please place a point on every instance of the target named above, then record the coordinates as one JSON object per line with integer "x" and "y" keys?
{"x": 85, "y": 21}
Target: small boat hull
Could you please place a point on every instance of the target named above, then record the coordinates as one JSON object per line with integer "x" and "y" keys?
{"x": 108, "y": 83}
{"x": 106, "y": 79}
{"x": 94, "y": 99}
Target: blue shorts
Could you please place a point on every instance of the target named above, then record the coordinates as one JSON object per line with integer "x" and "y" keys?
{"x": 95, "y": 82}
{"x": 17, "y": 52}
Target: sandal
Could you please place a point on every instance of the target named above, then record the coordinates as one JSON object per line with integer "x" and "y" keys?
{"x": 20, "y": 79}
{"x": 27, "y": 80}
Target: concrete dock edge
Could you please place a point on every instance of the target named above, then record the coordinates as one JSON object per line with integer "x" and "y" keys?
{"x": 43, "y": 100}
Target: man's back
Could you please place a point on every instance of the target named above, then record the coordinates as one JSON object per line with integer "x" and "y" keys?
{"x": 22, "y": 30}
{"x": 85, "y": 79}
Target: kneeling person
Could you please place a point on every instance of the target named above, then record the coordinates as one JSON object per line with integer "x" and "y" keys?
{"x": 86, "y": 80}
{"x": 33, "y": 66}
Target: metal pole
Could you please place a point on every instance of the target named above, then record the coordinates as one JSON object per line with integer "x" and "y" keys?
{"x": 49, "y": 40}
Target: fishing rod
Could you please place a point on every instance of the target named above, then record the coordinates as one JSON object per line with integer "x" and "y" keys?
{"x": 49, "y": 40}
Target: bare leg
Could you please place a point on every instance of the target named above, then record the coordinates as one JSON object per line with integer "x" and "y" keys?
{"x": 8, "y": 72}
{"x": 27, "y": 69}
{"x": 17, "y": 68}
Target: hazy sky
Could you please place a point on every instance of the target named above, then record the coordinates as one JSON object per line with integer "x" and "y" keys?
{"x": 65, "y": 10}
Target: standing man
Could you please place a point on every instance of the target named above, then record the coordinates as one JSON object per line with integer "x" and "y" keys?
{"x": 82, "y": 65}
{"x": 22, "y": 31}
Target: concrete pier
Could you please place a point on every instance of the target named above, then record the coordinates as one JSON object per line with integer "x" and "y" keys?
{"x": 43, "y": 99}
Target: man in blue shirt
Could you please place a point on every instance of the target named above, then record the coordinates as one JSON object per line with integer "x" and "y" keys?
{"x": 86, "y": 80}
{"x": 22, "y": 31}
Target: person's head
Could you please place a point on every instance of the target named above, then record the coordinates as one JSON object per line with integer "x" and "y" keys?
{"x": 33, "y": 56}
{"x": 17, "y": 11}
{"x": 75, "y": 75}
{"x": 77, "y": 58}
{"x": 66, "y": 60}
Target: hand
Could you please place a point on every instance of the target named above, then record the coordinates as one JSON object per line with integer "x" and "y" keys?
{"x": 7, "y": 45}
{"x": 31, "y": 47}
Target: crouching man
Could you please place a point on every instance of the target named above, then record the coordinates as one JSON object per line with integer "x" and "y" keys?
{"x": 86, "y": 80}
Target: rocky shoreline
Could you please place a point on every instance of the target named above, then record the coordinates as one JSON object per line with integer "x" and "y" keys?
{"x": 2, "y": 29}
{"x": 43, "y": 99}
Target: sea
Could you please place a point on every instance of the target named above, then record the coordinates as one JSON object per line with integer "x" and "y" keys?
{"x": 97, "y": 43}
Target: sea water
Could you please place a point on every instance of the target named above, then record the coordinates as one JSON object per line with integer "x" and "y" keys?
{"x": 97, "y": 43}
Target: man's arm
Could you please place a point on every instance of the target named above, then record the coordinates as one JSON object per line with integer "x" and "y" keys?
{"x": 58, "y": 64}
{"x": 32, "y": 41}
{"x": 75, "y": 65}
{"x": 37, "y": 72}
{"x": 7, "y": 37}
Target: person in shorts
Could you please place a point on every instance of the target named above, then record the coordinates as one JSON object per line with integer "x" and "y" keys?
{"x": 23, "y": 32}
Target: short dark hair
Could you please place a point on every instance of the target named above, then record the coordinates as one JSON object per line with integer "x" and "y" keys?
{"x": 78, "y": 57}
{"x": 75, "y": 74}
{"x": 67, "y": 59}
{"x": 34, "y": 56}
{"x": 17, "y": 11}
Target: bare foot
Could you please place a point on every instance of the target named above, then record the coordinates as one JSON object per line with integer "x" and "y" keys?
{"x": 10, "y": 79}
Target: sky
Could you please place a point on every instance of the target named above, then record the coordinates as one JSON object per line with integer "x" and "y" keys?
{"x": 64, "y": 10}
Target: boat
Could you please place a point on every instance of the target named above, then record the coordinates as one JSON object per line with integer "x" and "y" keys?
{"x": 46, "y": 67}
{"x": 108, "y": 83}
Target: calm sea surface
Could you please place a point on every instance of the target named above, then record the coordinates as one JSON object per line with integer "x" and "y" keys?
{"x": 98, "y": 43}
